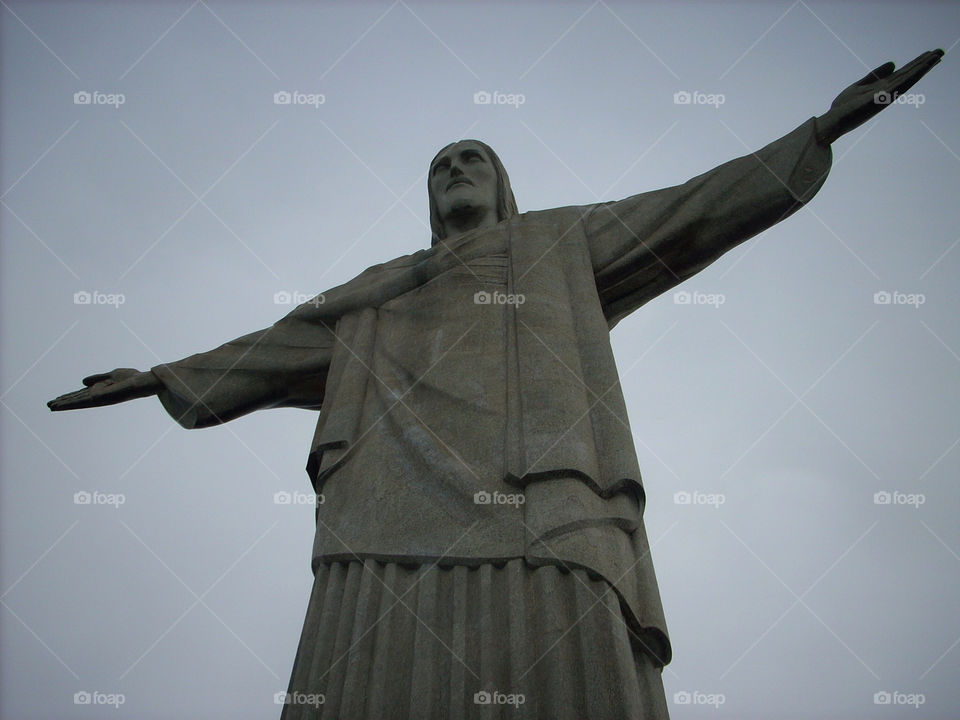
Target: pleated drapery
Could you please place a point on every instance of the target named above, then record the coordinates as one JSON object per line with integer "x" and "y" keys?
{"x": 385, "y": 641}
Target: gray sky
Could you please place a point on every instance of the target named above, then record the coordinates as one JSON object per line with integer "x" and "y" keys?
{"x": 198, "y": 199}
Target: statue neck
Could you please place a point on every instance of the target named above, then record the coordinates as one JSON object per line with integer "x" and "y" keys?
{"x": 471, "y": 219}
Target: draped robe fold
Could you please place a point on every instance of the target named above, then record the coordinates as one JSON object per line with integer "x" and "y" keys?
{"x": 566, "y": 443}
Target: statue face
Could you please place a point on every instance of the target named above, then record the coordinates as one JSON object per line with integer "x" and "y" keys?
{"x": 463, "y": 180}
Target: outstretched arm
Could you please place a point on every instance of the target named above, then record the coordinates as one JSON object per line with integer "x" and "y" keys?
{"x": 644, "y": 245}
{"x": 284, "y": 365}
{"x": 647, "y": 244}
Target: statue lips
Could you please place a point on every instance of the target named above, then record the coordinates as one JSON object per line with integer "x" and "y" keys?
{"x": 459, "y": 181}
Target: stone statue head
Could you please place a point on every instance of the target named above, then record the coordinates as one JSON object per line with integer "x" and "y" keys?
{"x": 493, "y": 188}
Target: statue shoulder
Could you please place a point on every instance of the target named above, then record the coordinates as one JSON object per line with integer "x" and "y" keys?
{"x": 400, "y": 262}
{"x": 558, "y": 218}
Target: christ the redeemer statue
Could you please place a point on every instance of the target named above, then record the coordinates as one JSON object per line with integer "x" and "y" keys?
{"x": 480, "y": 551}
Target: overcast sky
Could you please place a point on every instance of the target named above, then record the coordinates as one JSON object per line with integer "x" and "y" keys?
{"x": 787, "y": 392}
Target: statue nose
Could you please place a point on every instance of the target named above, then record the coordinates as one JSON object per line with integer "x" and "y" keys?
{"x": 455, "y": 170}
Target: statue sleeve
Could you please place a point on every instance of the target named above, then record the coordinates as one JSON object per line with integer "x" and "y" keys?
{"x": 284, "y": 365}
{"x": 646, "y": 244}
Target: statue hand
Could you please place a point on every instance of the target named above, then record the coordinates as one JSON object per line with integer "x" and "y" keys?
{"x": 871, "y": 94}
{"x": 109, "y": 388}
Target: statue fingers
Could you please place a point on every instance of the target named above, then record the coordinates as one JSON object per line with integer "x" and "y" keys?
{"x": 913, "y": 70}
{"x": 906, "y": 81}
{"x": 876, "y": 74}
{"x": 94, "y": 379}
{"x": 115, "y": 375}
{"x": 70, "y": 401}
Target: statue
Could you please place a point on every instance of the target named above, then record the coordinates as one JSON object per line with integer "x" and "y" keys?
{"x": 481, "y": 537}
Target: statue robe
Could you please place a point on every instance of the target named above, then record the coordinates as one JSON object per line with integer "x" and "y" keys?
{"x": 532, "y": 404}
